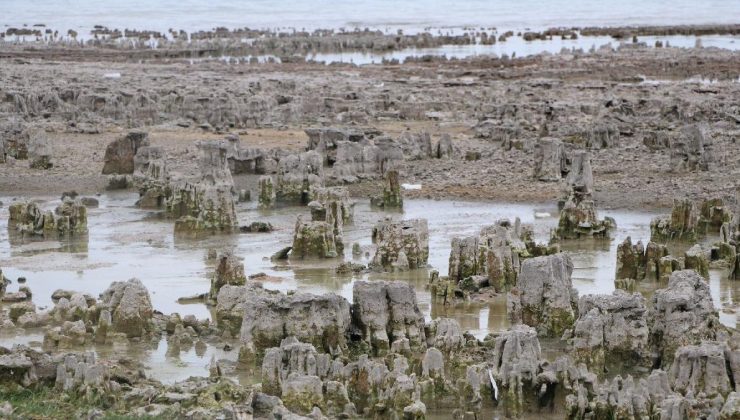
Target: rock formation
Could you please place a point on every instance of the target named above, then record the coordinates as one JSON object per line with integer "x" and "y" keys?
{"x": 402, "y": 245}
{"x": 40, "y": 150}
{"x": 229, "y": 270}
{"x": 296, "y": 174}
{"x": 637, "y": 263}
{"x": 119, "y": 155}
{"x": 516, "y": 365}
{"x": 496, "y": 254}
{"x": 578, "y": 217}
{"x": 611, "y": 332}
{"x": 544, "y": 296}
{"x": 151, "y": 177}
{"x": 550, "y": 161}
{"x": 206, "y": 206}
{"x": 70, "y": 218}
{"x": 387, "y": 316}
{"x": 267, "y": 197}
{"x": 391, "y": 197}
{"x": 682, "y": 314}
{"x": 129, "y": 306}
{"x": 682, "y": 225}
{"x": 315, "y": 239}
{"x": 691, "y": 149}
{"x": 269, "y": 317}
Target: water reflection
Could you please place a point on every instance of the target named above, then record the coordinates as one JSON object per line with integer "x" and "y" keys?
{"x": 126, "y": 242}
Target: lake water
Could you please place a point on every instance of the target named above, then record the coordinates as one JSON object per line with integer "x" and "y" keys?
{"x": 125, "y": 242}
{"x": 410, "y": 15}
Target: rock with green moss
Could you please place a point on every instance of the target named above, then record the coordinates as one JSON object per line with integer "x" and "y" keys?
{"x": 315, "y": 240}
{"x": 391, "y": 198}
{"x": 713, "y": 213}
{"x": 637, "y": 263}
{"x": 68, "y": 219}
{"x": 445, "y": 334}
{"x": 544, "y": 296}
{"x": 611, "y": 332}
{"x": 269, "y": 317}
{"x": 266, "y": 198}
{"x": 130, "y": 307}
{"x": 301, "y": 393}
{"x": 151, "y": 178}
{"x": 495, "y": 253}
{"x": 206, "y": 206}
{"x": 296, "y": 174}
{"x": 333, "y": 206}
{"x": 682, "y": 225}
{"x": 393, "y": 238}
{"x": 696, "y": 259}
{"x": 578, "y": 217}
{"x": 229, "y": 270}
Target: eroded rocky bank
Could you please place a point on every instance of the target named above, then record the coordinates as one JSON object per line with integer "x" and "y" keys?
{"x": 213, "y": 151}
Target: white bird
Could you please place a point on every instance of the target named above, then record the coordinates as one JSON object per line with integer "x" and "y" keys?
{"x": 494, "y": 387}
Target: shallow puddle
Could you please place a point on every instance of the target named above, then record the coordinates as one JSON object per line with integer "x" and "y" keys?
{"x": 125, "y": 242}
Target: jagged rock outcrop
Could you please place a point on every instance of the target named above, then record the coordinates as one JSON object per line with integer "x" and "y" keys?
{"x": 391, "y": 197}
{"x": 69, "y": 218}
{"x": 230, "y": 305}
{"x": 296, "y": 174}
{"x": 444, "y": 149}
{"x": 315, "y": 239}
{"x": 550, "y": 162}
{"x": 611, "y": 331}
{"x": 516, "y": 365}
{"x": 367, "y": 159}
{"x": 496, "y": 254}
{"x": 151, "y": 177}
{"x": 330, "y": 207}
{"x": 445, "y": 334}
{"x": 602, "y": 136}
{"x": 245, "y": 160}
{"x": 682, "y": 314}
{"x": 696, "y": 259}
{"x": 636, "y": 263}
{"x": 709, "y": 368}
{"x": 400, "y": 245}
{"x": 40, "y": 150}
{"x": 119, "y": 155}
{"x": 229, "y": 270}
{"x": 713, "y": 213}
{"x": 15, "y": 137}
{"x": 130, "y": 307}
{"x": 326, "y": 140}
{"x": 387, "y": 316}
{"x": 269, "y": 317}
{"x": 578, "y": 218}
{"x": 691, "y": 149}
{"x": 544, "y": 296}
{"x": 206, "y": 206}
{"x": 267, "y": 199}
{"x": 682, "y": 225}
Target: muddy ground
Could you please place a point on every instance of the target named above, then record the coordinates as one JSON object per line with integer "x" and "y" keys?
{"x": 638, "y": 89}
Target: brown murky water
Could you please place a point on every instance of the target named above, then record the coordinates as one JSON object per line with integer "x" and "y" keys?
{"x": 125, "y": 242}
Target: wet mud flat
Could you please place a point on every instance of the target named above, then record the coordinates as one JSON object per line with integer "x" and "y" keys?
{"x": 552, "y": 236}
